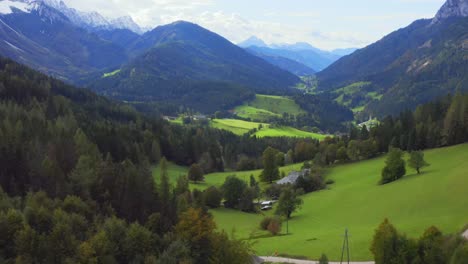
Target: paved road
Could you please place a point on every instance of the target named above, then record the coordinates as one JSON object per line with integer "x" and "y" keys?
{"x": 298, "y": 261}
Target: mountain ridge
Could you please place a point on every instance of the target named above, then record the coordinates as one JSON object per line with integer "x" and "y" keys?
{"x": 409, "y": 66}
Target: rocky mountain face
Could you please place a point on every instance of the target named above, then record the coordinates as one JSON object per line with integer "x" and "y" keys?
{"x": 92, "y": 21}
{"x": 452, "y": 8}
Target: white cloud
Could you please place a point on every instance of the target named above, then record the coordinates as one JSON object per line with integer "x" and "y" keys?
{"x": 273, "y": 25}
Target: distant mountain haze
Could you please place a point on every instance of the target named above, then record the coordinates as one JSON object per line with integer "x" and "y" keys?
{"x": 301, "y": 52}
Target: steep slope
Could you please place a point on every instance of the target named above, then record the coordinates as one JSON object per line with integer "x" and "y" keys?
{"x": 43, "y": 38}
{"x": 410, "y": 66}
{"x": 171, "y": 59}
{"x": 92, "y": 21}
{"x": 293, "y": 66}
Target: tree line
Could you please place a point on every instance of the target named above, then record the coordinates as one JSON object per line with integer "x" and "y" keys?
{"x": 432, "y": 247}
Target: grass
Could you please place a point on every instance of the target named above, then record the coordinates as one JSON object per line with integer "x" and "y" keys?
{"x": 358, "y": 109}
{"x": 213, "y": 179}
{"x": 246, "y": 111}
{"x": 238, "y": 127}
{"x": 264, "y": 107}
{"x": 109, "y": 74}
{"x": 217, "y": 179}
{"x": 173, "y": 170}
{"x": 288, "y": 132}
{"x": 435, "y": 197}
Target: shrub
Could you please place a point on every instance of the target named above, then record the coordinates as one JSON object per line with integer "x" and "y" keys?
{"x": 274, "y": 226}
{"x": 323, "y": 259}
{"x": 265, "y": 222}
{"x": 329, "y": 181}
{"x": 213, "y": 197}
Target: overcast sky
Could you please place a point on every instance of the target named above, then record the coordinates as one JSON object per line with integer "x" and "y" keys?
{"x": 327, "y": 24}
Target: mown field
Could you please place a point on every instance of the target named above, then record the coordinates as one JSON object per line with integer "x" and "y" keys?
{"x": 437, "y": 197}
{"x": 288, "y": 132}
{"x": 240, "y": 127}
{"x": 268, "y": 106}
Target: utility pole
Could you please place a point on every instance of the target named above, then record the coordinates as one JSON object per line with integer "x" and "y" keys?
{"x": 345, "y": 244}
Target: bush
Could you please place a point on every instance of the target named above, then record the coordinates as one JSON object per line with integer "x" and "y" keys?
{"x": 274, "y": 226}
{"x": 323, "y": 259}
{"x": 265, "y": 222}
{"x": 213, "y": 197}
{"x": 329, "y": 181}
{"x": 274, "y": 191}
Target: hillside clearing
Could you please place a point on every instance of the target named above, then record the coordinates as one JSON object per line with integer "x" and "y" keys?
{"x": 436, "y": 197}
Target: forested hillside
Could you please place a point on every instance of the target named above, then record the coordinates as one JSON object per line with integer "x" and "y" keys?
{"x": 411, "y": 66}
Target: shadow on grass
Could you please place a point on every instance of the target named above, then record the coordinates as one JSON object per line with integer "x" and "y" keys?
{"x": 416, "y": 175}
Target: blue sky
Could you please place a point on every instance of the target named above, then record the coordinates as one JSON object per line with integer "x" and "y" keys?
{"x": 326, "y": 24}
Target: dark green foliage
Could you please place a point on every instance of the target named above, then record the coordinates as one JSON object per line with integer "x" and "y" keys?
{"x": 323, "y": 259}
{"x": 289, "y": 201}
{"x": 322, "y": 112}
{"x": 188, "y": 65}
{"x": 195, "y": 173}
{"x": 389, "y": 246}
{"x": 270, "y": 167}
{"x": 233, "y": 189}
{"x": 213, "y": 197}
{"x": 416, "y": 161}
{"x": 246, "y": 200}
{"x": 309, "y": 182}
{"x": 460, "y": 256}
{"x": 394, "y": 166}
{"x": 90, "y": 157}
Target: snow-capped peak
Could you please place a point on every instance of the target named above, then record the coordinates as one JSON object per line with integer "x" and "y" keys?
{"x": 9, "y": 6}
{"x": 93, "y": 20}
{"x": 126, "y": 22}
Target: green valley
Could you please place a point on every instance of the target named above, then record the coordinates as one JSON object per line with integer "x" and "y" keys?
{"x": 356, "y": 201}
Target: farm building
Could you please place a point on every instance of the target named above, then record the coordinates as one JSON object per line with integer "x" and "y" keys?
{"x": 292, "y": 177}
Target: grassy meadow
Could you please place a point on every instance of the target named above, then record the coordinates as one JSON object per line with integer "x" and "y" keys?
{"x": 264, "y": 107}
{"x": 437, "y": 197}
{"x": 288, "y": 132}
{"x": 240, "y": 127}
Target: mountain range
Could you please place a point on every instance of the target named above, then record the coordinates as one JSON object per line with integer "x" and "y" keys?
{"x": 185, "y": 64}
{"x": 303, "y": 53}
{"x": 410, "y": 66}
{"x": 162, "y": 64}
{"x": 170, "y": 61}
